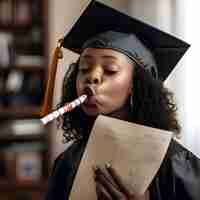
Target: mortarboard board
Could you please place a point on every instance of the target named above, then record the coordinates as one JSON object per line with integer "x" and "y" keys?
{"x": 98, "y": 18}
{"x": 101, "y": 26}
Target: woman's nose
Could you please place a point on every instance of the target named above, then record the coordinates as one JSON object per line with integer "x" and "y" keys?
{"x": 95, "y": 76}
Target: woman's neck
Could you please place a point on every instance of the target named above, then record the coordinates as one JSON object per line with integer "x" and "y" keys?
{"x": 123, "y": 113}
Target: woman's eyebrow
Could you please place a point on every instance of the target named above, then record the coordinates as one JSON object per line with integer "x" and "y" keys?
{"x": 88, "y": 56}
{"x": 109, "y": 57}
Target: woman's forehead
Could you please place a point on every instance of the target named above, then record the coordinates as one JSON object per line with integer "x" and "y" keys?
{"x": 103, "y": 53}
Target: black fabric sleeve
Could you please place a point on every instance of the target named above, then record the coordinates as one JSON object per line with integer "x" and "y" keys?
{"x": 178, "y": 176}
{"x": 57, "y": 183}
{"x": 186, "y": 169}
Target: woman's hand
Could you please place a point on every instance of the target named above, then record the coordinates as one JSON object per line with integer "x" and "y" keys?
{"x": 109, "y": 185}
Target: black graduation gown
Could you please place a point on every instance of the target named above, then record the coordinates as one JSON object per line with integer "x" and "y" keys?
{"x": 178, "y": 177}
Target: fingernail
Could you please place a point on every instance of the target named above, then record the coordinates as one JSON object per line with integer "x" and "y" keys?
{"x": 108, "y": 165}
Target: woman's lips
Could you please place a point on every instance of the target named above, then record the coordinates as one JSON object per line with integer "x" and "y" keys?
{"x": 91, "y": 101}
{"x": 90, "y": 90}
{"x": 91, "y": 104}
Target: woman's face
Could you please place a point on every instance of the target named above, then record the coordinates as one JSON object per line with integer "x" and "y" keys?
{"x": 109, "y": 73}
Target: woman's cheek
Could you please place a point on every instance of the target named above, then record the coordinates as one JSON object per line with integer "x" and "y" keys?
{"x": 79, "y": 85}
{"x": 121, "y": 85}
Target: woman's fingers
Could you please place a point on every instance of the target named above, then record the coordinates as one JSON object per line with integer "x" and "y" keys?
{"x": 110, "y": 185}
{"x": 101, "y": 192}
{"x": 107, "y": 184}
{"x": 124, "y": 187}
{"x": 106, "y": 174}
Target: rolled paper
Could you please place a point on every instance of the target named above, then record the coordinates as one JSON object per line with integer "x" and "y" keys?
{"x": 66, "y": 108}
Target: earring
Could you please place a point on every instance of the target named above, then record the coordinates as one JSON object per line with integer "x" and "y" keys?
{"x": 131, "y": 101}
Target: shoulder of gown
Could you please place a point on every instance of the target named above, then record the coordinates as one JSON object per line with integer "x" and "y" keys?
{"x": 178, "y": 176}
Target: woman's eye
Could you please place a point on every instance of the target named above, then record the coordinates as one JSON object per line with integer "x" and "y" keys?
{"x": 110, "y": 69}
{"x": 110, "y": 72}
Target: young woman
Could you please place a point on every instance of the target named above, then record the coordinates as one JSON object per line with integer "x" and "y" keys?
{"x": 119, "y": 74}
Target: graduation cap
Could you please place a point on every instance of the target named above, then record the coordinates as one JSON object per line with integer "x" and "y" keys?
{"x": 100, "y": 26}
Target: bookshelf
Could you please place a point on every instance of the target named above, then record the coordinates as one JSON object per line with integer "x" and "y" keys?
{"x": 24, "y": 143}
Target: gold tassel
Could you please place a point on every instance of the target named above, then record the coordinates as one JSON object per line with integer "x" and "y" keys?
{"x": 48, "y": 99}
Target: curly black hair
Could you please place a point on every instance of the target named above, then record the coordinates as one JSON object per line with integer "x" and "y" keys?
{"x": 153, "y": 104}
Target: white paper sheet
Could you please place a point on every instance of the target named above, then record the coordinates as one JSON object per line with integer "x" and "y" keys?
{"x": 135, "y": 151}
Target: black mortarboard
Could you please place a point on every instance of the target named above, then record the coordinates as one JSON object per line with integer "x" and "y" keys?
{"x": 98, "y": 18}
{"x": 101, "y": 26}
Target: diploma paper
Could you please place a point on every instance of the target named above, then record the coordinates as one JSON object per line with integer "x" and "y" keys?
{"x": 135, "y": 151}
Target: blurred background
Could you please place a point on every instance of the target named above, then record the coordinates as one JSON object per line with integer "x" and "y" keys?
{"x": 29, "y": 31}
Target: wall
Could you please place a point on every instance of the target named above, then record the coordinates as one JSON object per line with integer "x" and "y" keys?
{"x": 191, "y": 33}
